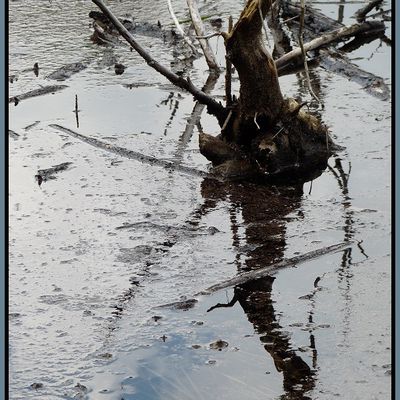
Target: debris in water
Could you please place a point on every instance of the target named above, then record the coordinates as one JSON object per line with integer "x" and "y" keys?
{"x": 212, "y": 230}
{"x": 105, "y": 355}
{"x": 219, "y": 345}
{"x": 30, "y": 126}
{"x": 13, "y": 134}
{"x": 67, "y": 71}
{"x": 183, "y": 305}
{"x": 37, "y": 386}
{"x": 81, "y": 388}
{"x": 44, "y": 175}
{"x": 37, "y": 92}
{"x": 119, "y": 69}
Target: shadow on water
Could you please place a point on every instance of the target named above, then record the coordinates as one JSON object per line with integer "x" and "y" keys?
{"x": 264, "y": 212}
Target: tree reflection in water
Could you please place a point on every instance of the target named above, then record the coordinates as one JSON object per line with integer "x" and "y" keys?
{"x": 264, "y": 213}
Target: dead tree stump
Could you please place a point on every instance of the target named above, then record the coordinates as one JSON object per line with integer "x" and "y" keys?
{"x": 264, "y": 136}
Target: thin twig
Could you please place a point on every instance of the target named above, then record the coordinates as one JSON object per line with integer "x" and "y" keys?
{"x": 255, "y": 121}
{"x": 180, "y": 29}
{"x": 301, "y": 29}
{"x": 211, "y": 35}
{"x": 228, "y": 72}
{"x": 227, "y": 120}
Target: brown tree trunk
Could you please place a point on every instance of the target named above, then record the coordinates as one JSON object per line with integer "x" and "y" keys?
{"x": 259, "y": 87}
{"x": 264, "y": 134}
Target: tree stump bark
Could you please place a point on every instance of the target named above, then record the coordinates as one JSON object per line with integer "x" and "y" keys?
{"x": 265, "y": 136}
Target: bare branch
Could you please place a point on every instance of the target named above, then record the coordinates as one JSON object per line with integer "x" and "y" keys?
{"x": 273, "y": 268}
{"x": 199, "y": 28}
{"x": 362, "y": 12}
{"x": 328, "y": 38}
{"x": 214, "y": 107}
{"x": 228, "y": 72}
{"x": 180, "y": 29}
{"x": 303, "y": 52}
{"x": 209, "y": 36}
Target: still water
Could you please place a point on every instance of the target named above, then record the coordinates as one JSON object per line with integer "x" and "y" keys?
{"x": 96, "y": 253}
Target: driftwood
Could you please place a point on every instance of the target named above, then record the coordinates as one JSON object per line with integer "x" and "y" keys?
{"x": 133, "y": 155}
{"x": 270, "y": 136}
{"x": 37, "y": 92}
{"x": 338, "y": 63}
{"x": 274, "y": 268}
{"x": 199, "y": 29}
{"x": 328, "y": 38}
{"x": 317, "y": 24}
{"x": 67, "y": 71}
{"x": 47, "y": 174}
{"x": 265, "y": 272}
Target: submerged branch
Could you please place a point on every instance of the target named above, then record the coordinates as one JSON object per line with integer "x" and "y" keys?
{"x": 328, "y": 38}
{"x": 134, "y": 155}
{"x": 273, "y": 268}
{"x": 37, "y": 92}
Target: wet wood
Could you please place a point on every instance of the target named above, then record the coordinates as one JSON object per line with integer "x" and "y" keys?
{"x": 180, "y": 29}
{"x": 37, "y": 92}
{"x": 332, "y": 59}
{"x": 67, "y": 71}
{"x": 47, "y": 174}
{"x": 274, "y": 268}
{"x": 339, "y": 63}
{"x": 328, "y": 38}
{"x": 199, "y": 29}
{"x": 13, "y": 134}
{"x": 254, "y": 64}
{"x": 361, "y": 14}
{"x": 126, "y": 153}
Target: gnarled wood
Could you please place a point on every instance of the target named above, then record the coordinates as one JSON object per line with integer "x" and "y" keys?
{"x": 260, "y": 92}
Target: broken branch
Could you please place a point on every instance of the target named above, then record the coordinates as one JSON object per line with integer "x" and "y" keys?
{"x": 198, "y": 27}
{"x": 362, "y": 12}
{"x": 273, "y": 268}
{"x": 328, "y": 38}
